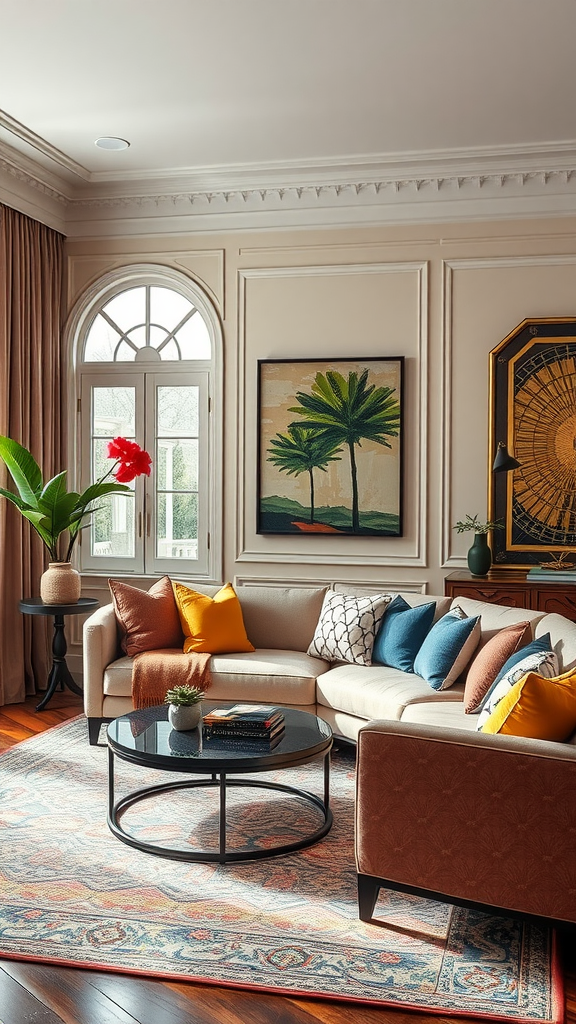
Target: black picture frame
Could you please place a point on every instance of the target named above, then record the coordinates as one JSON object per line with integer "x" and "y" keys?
{"x": 311, "y": 479}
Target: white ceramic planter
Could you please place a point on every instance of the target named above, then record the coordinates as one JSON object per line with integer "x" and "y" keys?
{"x": 183, "y": 717}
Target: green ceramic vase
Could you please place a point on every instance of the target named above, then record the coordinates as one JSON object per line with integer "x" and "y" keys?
{"x": 480, "y": 555}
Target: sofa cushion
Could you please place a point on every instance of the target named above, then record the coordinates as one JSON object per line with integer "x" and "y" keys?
{"x": 402, "y": 634}
{"x": 212, "y": 625}
{"x": 446, "y": 714}
{"x": 347, "y": 627}
{"x": 283, "y": 617}
{"x": 494, "y": 617}
{"x": 447, "y": 649}
{"x": 543, "y": 661}
{"x": 539, "y": 708}
{"x": 264, "y": 676}
{"x": 412, "y": 598}
{"x": 375, "y": 691}
{"x": 490, "y": 659}
{"x": 148, "y": 620}
{"x": 562, "y": 637}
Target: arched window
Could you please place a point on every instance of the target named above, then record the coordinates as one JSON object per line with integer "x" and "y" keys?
{"x": 148, "y": 351}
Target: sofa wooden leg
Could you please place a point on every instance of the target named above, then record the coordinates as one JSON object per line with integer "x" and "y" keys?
{"x": 94, "y": 726}
{"x": 368, "y": 889}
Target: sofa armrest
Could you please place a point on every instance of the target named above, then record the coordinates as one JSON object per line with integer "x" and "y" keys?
{"x": 100, "y": 647}
{"x": 476, "y": 817}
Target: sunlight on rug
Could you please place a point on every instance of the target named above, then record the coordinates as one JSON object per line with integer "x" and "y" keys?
{"x": 73, "y": 894}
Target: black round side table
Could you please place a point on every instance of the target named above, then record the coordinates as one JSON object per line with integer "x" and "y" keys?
{"x": 59, "y": 673}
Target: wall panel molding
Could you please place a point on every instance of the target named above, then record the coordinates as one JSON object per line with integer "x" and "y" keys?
{"x": 247, "y": 553}
{"x": 450, "y": 268}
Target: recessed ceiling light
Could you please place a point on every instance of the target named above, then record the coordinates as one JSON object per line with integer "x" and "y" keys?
{"x": 110, "y": 143}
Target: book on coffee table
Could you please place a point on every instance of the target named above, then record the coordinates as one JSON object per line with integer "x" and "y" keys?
{"x": 259, "y": 718}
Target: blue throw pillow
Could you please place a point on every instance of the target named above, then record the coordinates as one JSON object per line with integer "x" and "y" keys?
{"x": 447, "y": 649}
{"x": 539, "y": 646}
{"x": 402, "y": 634}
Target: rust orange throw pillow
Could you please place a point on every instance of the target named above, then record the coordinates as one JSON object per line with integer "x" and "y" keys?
{"x": 212, "y": 625}
{"x": 148, "y": 620}
{"x": 489, "y": 661}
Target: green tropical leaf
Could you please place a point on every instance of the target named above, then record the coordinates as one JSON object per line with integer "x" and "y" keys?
{"x": 23, "y": 469}
{"x": 14, "y": 498}
{"x": 348, "y": 411}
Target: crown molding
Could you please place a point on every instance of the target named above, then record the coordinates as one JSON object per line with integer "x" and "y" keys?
{"x": 42, "y": 151}
{"x": 433, "y": 185}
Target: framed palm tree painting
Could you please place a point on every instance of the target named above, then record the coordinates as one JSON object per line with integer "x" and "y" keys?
{"x": 330, "y": 446}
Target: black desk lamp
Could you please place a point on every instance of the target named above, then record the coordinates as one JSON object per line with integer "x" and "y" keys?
{"x": 504, "y": 462}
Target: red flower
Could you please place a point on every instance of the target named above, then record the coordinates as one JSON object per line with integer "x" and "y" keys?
{"x": 133, "y": 460}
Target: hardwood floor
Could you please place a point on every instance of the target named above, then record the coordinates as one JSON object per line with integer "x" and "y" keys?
{"x": 41, "y": 994}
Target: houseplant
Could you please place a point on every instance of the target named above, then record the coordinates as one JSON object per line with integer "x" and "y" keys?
{"x": 480, "y": 554}
{"x": 184, "y": 707}
{"x": 54, "y": 511}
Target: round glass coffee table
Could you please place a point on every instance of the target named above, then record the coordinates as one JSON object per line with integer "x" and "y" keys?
{"x": 146, "y": 738}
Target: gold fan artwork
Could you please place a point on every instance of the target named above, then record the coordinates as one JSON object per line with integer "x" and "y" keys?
{"x": 544, "y": 487}
{"x": 533, "y": 412}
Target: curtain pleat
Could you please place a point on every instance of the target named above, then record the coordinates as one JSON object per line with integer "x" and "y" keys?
{"x": 32, "y": 411}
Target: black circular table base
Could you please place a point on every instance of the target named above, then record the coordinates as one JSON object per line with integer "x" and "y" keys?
{"x": 221, "y": 856}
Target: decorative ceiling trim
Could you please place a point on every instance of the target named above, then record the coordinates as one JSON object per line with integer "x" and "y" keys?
{"x": 32, "y": 180}
{"x": 430, "y": 186}
{"x": 41, "y": 147}
{"x": 335, "y": 191}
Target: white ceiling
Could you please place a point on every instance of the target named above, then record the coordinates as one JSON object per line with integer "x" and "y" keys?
{"x": 221, "y": 87}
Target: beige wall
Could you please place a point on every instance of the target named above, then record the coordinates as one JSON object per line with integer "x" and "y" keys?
{"x": 442, "y": 296}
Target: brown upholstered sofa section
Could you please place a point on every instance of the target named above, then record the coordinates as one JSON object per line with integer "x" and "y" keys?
{"x": 468, "y": 817}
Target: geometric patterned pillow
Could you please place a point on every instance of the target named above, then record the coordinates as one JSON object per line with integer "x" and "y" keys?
{"x": 347, "y": 627}
{"x": 544, "y": 663}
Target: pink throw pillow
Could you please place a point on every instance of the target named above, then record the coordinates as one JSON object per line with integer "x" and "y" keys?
{"x": 149, "y": 620}
{"x": 489, "y": 661}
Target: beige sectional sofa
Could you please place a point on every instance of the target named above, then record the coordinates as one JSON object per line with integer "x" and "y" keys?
{"x": 280, "y": 623}
{"x": 441, "y": 809}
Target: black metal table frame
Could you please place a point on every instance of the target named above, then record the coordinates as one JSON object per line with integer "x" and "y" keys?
{"x": 221, "y": 780}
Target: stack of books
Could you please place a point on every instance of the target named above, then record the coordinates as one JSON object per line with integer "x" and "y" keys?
{"x": 541, "y": 574}
{"x": 254, "y": 725}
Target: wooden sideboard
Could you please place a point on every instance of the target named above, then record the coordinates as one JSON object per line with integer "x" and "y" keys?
{"x": 512, "y": 588}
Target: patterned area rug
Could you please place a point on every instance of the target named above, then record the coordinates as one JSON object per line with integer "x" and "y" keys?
{"x": 73, "y": 894}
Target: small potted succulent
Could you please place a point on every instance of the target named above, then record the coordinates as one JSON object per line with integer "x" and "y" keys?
{"x": 184, "y": 707}
{"x": 480, "y": 554}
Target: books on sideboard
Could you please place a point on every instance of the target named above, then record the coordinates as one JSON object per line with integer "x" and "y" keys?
{"x": 542, "y": 575}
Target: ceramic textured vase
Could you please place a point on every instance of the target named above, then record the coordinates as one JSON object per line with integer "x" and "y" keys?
{"x": 184, "y": 716}
{"x": 480, "y": 555}
{"x": 60, "y": 584}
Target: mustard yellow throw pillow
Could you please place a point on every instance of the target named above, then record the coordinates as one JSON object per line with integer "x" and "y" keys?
{"x": 535, "y": 707}
{"x": 213, "y": 625}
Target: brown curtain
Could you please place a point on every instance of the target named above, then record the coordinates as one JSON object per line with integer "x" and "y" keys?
{"x": 32, "y": 390}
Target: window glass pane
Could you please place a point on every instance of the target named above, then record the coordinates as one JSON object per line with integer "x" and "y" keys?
{"x": 126, "y": 353}
{"x": 138, "y": 336}
{"x": 101, "y": 341}
{"x": 177, "y": 412}
{"x": 113, "y": 534}
{"x": 157, "y": 335}
{"x": 128, "y": 308}
{"x": 177, "y": 529}
{"x": 168, "y": 307}
{"x": 101, "y": 463}
{"x": 177, "y": 465}
{"x": 171, "y": 352}
{"x": 194, "y": 339}
{"x": 113, "y": 411}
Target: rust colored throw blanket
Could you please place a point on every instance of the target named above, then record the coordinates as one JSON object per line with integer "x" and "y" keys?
{"x": 156, "y": 672}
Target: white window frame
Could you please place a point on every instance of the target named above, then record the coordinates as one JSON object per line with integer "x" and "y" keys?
{"x": 208, "y": 373}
